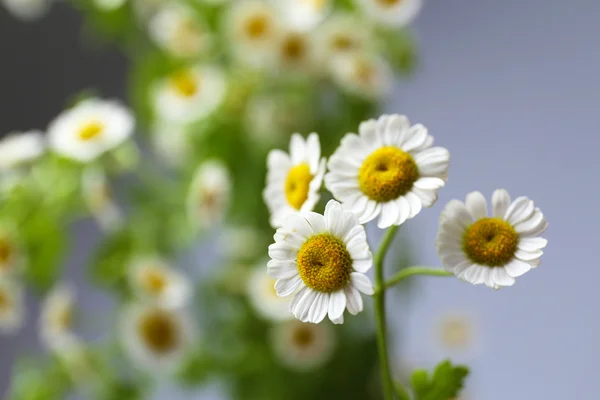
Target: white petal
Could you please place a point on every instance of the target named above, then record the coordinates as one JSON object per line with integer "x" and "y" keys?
{"x": 476, "y": 274}
{"x": 534, "y": 226}
{"x": 316, "y": 221}
{"x": 414, "y": 203}
{"x": 285, "y": 287}
{"x": 389, "y": 215}
{"x": 362, "y": 283}
{"x": 282, "y": 251}
{"x": 516, "y": 268}
{"x": 528, "y": 255}
{"x": 282, "y": 269}
{"x": 313, "y": 151}
{"x": 303, "y": 306}
{"x": 431, "y": 183}
{"x": 451, "y": 260}
{"x": 519, "y": 210}
{"x": 428, "y": 197}
{"x": 354, "y": 300}
{"x": 297, "y": 149}
{"x": 362, "y": 265}
{"x": 358, "y": 248}
{"x": 501, "y": 278}
{"x": 396, "y": 127}
{"x": 460, "y": 268}
{"x": 288, "y": 238}
{"x": 298, "y": 225}
{"x": 319, "y": 308}
{"x": 500, "y": 202}
{"x": 297, "y": 297}
{"x": 457, "y": 212}
{"x": 416, "y": 137}
{"x": 337, "y": 304}
{"x": 532, "y": 244}
{"x": 338, "y": 321}
{"x": 338, "y": 222}
{"x": 404, "y": 210}
{"x": 476, "y": 205}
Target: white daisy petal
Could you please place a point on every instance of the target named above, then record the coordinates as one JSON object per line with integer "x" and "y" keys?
{"x": 362, "y": 283}
{"x": 501, "y": 278}
{"x": 533, "y": 226}
{"x": 430, "y": 183}
{"x": 532, "y": 244}
{"x": 316, "y": 221}
{"x": 456, "y": 211}
{"x": 319, "y": 308}
{"x": 476, "y": 205}
{"x": 516, "y": 268}
{"x": 500, "y": 203}
{"x": 285, "y": 287}
{"x": 519, "y": 210}
{"x": 297, "y": 297}
{"x": 337, "y": 305}
{"x": 282, "y": 269}
{"x": 389, "y": 215}
{"x": 354, "y": 300}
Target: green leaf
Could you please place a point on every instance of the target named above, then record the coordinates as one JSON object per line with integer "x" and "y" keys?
{"x": 446, "y": 382}
{"x": 111, "y": 258}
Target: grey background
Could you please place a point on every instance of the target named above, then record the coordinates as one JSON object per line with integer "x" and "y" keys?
{"x": 512, "y": 89}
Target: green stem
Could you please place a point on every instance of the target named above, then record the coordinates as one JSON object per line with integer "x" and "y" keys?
{"x": 410, "y": 271}
{"x": 401, "y": 392}
{"x": 379, "y": 302}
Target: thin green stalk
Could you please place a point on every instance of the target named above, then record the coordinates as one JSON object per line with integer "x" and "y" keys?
{"x": 410, "y": 271}
{"x": 379, "y": 302}
{"x": 401, "y": 392}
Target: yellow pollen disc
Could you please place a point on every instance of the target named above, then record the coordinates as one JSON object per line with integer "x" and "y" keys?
{"x": 185, "y": 83}
{"x": 303, "y": 336}
{"x": 6, "y": 252}
{"x": 364, "y": 71}
{"x": 315, "y": 4}
{"x": 63, "y": 318}
{"x": 154, "y": 281}
{"x": 491, "y": 242}
{"x": 297, "y": 185}
{"x": 293, "y": 48}
{"x": 159, "y": 331}
{"x": 341, "y": 42}
{"x": 389, "y": 3}
{"x": 387, "y": 174}
{"x": 324, "y": 264}
{"x": 257, "y": 26}
{"x": 90, "y": 130}
{"x": 5, "y": 302}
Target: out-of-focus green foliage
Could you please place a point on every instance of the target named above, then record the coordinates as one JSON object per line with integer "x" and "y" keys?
{"x": 445, "y": 383}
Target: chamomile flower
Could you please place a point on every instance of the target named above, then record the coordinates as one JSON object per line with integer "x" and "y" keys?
{"x": 294, "y": 180}
{"x": 27, "y": 10}
{"x": 56, "y": 318}
{"x": 99, "y": 199}
{"x": 240, "y": 242}
{"x": 295, "y": 52}
{"x": 389, "y": 170}
{"x": 253, "y": 30}
{"x": 363, "y": 74}
{"x": 20, "y": 148}
{"x": 302, "y": 346}
{"x": 90, "y": 128}
{"x": 456, "y": 332}
{"x": 393, "y": 13}
{"x": 323, "y": 260}
{"x": 179, "y": 31}
{"x": 190, "y": 94}
{"x": 12, "y": 307}
{"x": 304, "y": 15}
{"x": 12, "y": 256}
{"x": 338, "y": 36}
{"x": 170, "y": 142}
{"x": 263, "y": 296}
{"x": 155, "y": 338}
{"x": 493, "y": 250}
{"x": 209, "y": 195}
{"x": 153, "y": 280}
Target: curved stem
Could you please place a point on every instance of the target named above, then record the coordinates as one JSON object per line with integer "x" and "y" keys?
{"x": 379, "y": 302}
{"x": 410, "y": 271}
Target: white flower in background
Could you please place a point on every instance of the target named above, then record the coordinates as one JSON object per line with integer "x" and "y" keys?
{"x": 12, "y": 307}
{"x": 56, "y": 318}
{"x": 77, "y": 361}
{"x": 153, "y": 280}
{"x": 389, "y": 170}
{"x": 144, "y": 10}
{"x": 27, "y": 10}
{"x": 109, "y": 5}
{"x": 99, "y": 199}
{"x": 393, "y": 13}
{"x": 178, "y": 30}
{"x": 304, "y": 15}
{"x": 363, "y": 74}
{"x": 301, "y": 346}
{"x": 495, "y": 249}
{"x": 253, "y": 30}
{"x": 155, "y": 338}
{"x": 209, "y": 195}
{"x": 90, "y": 128}
{"x": 338, "y": 36}
{"x": 20, "y": 148}
{"x": 456, "y": 331}
{"x": 190, "y": 94}
{"x": 240, "y": 242}
{"x": 323, "y": 260}
{"x": 170, "y": 142}
{"x": 294, "y": 180}
{"x": 263, "y": 296}
{"x": 12, "y": 257}
{"x": 295, "y": 52}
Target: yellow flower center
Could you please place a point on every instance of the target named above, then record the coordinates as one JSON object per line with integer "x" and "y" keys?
{"x": 185, "y": 83}
{"x": 297, "y": 185}
{"x": 5, "y": 302}
{"x": 342, "y": 42}
{"x": 303, "y": 336}
{"x": 324, "y": 264}
{"x": 90, "y": 130}
{"x": 159, "y": 331}
{"x": 315, "y": 4}
{"x": 6, "y": 252}
{"x": 387, "y": 174}
{"x": 491, "y": 242}
{"x": 293, "y": 48}
{"x": 389, "y": 3}
{"x": 257, "y": 26}
{"x": 63, "y": 318}
{"x": 154, "y": 281}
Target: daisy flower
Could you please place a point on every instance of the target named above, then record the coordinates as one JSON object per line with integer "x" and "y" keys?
{"x": 155, "y": 338}
{"x": 12, "y": 257}
{"x": 253, "y": 30}
{"x": 179, "y": 31}
{"x": 56, "y": 318}
{"x": 153, "y": 280}
{"x": 170, "y": 142}
{"x": 190, "y": 94}
{"x": 294, "y": 180}
{"x": 99, "y": 199}
{"x": 456, "y": 331}
{"x": 89, "y": 129}
{"x": 363, "y": 74}
{"x": 389, "y": 170}
{"x": 240, "y": 242}
{"x": 338, "y": 36}
{"x": 209, "y": 195}
{"x": 495, "y": 249}
{"x": 301, "y": 346}
{"x": 27, "y": 10}
{"x": 295, "y": 52}
{"x": 393, "y": 13}
{"x": 304, "y": 15}
{"x": 263, "y": 296}
{"x": 20, "y": 148}
{"x": 12, "y": 306}
{"x": 323, "y": 260}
